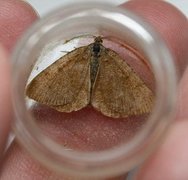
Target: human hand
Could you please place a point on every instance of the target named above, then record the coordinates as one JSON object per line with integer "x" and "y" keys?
{"x": 168, "y": 162}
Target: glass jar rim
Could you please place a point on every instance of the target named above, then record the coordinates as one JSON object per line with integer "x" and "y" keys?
{"x": 96, "y": 164}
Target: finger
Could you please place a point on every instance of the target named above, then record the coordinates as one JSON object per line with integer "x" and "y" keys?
{"x": 169, "y": 22}
{"x": 19, "y": 165}
{"x": 182, "y": 112}
{"x": 15, "y": 17}
{"x": 170, "y": 162}
{"x": 12, "y": 23}
{"x": 5, "y": 105}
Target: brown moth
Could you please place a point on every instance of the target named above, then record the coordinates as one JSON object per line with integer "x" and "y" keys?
{"x": 92, "y": 75}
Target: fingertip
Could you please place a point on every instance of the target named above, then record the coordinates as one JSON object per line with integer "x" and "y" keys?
{"x": 15, "y": 17}
{"x": 170, "y": 160}
{"x": 170, "y": 22}
{"x": 33, "y": 12}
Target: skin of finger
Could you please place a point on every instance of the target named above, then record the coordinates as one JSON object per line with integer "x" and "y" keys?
{"x": 28, "y": 163}
{"x": 15, "y": 17}
{"x": 5, "y": 102}
{"x": 169, "y": 22}
{"x": 182, "y": 112}
{"x": 170, "y": 162}
{"x": 165, "y": 165}
{"x": 20, "y": 165}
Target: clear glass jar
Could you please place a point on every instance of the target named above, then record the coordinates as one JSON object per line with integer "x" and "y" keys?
{"x": 123, "y": 31}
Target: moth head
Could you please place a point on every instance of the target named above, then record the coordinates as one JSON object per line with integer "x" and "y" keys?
{"x": 98, "y": 39}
